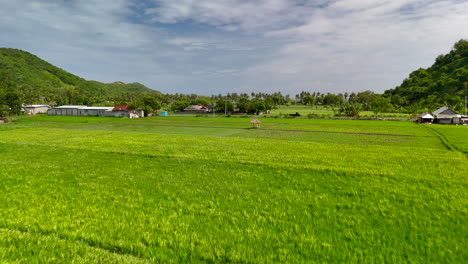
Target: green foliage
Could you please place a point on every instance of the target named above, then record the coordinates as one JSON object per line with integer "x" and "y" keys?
{"x": 380, "y": 104}
{"x": 10, "y": 100}
{"x": 179, "y": 105}
{"x": 350, "y": 109}
{"x": 35, "y": 78}
{"x": 223, "y": 105}
{"x": 243, "y": 105}
{"x": 444, "y": 83}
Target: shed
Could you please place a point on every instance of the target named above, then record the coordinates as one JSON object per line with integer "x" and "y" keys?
{"x": 425, "y": 118}
{"x": 65, "y": 110}
{"x": 255, "y": 123}
{"x": 94, "y": 110}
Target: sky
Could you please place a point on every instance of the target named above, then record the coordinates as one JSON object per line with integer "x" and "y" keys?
{"x": 220, "y": 46}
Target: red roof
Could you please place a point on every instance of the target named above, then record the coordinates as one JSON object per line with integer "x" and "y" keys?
{"x": 122, "y": 107}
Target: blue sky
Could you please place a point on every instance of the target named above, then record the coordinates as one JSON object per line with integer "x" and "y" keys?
{"x": 220, "y": 46}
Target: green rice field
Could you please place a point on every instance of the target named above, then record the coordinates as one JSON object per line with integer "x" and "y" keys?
{"x": 327, "y": 111}
{"x": 212, "y": 190}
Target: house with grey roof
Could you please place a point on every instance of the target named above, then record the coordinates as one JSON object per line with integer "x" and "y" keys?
{"x": 445, "y": 115}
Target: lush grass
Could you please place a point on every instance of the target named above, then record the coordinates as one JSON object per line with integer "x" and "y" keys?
{"x": 325, "y": 111}
{"x": 148, "y": 190}
{"x": 457, "y": 136}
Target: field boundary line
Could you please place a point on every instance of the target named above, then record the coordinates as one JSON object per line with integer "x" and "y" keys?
{"x": 340, "y": 132}
{"x": 445, "y": 141}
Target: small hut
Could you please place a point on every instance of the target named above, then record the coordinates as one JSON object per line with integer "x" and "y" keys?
{"x": 425, "y": 118}
{"x": 255, "y": 123}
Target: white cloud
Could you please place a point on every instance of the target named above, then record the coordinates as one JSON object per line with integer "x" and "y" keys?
{"x": 214, "y": 46}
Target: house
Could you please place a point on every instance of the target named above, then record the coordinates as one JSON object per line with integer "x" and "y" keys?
{"x": 35, "y": 109}
{"x": 107, "y": 111}
{"x": 94, "y": 110}
{"x": 65, "y": 110}
{"x": 124, "y": 110}
{"x": 445, "y": 115}
{"x": 425, "y": 118}
{"x": 196, "y": 109}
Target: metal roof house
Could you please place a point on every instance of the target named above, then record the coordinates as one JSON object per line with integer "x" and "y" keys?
{"x": 94, "y": 111}
{"x": 107, "y": 111}
{"x": 445, "y": 115}
{"x": 65, "y": 110}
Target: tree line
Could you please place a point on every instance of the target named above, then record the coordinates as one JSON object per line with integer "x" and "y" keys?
{"x": 444, "y": 83}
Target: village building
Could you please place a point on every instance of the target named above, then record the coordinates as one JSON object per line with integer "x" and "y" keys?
{"x": 104, "y": 111}
{"x": 124, "y": 110}
{"x": 35, "y": 109}
{"x": 94, "y": 110}
{"x": 425, "y": 118}
{"x": 65, "y": 110}
{"x": 196, "y": 109}
{"x": 445, "y": 115}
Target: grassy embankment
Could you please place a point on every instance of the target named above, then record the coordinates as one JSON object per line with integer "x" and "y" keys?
{"x": 210, "y": 190}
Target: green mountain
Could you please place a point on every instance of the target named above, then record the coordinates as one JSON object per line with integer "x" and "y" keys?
{"x": 445, "y": 83}
{"x": 34, "y": 78}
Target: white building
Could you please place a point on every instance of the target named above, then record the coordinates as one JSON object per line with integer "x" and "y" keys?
{"x": 65, "y": 110}
{"x": 106, "y": 111}
{"x": 35, "y": 109}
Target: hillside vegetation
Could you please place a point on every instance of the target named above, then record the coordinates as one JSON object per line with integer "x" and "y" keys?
{"x": 444, "y": 83}
{"x": 35, "y": 79}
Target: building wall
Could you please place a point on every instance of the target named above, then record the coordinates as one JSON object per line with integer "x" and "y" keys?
{"x": 93, "y": 112}
{"x": 36, "y": 110}
{"x": 444, "y": 121}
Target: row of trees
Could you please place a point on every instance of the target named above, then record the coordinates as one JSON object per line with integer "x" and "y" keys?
{"x": 444, "y": 83}
{"x": 348, "y": 104}
{"x": 13, "y": 95}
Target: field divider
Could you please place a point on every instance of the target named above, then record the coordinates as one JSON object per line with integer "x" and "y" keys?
{"x": 444, "y": 140}
{"x": 339, "y": 132}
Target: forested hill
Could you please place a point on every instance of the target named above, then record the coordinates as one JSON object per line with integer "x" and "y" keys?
{"x": 35, "y": 78}
{"x": 444, "y": 83}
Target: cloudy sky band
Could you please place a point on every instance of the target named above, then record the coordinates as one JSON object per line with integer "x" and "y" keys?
{"x": 220, "y": 46}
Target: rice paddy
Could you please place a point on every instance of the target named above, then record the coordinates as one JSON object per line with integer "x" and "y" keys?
{"x": 210, "y": 190}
